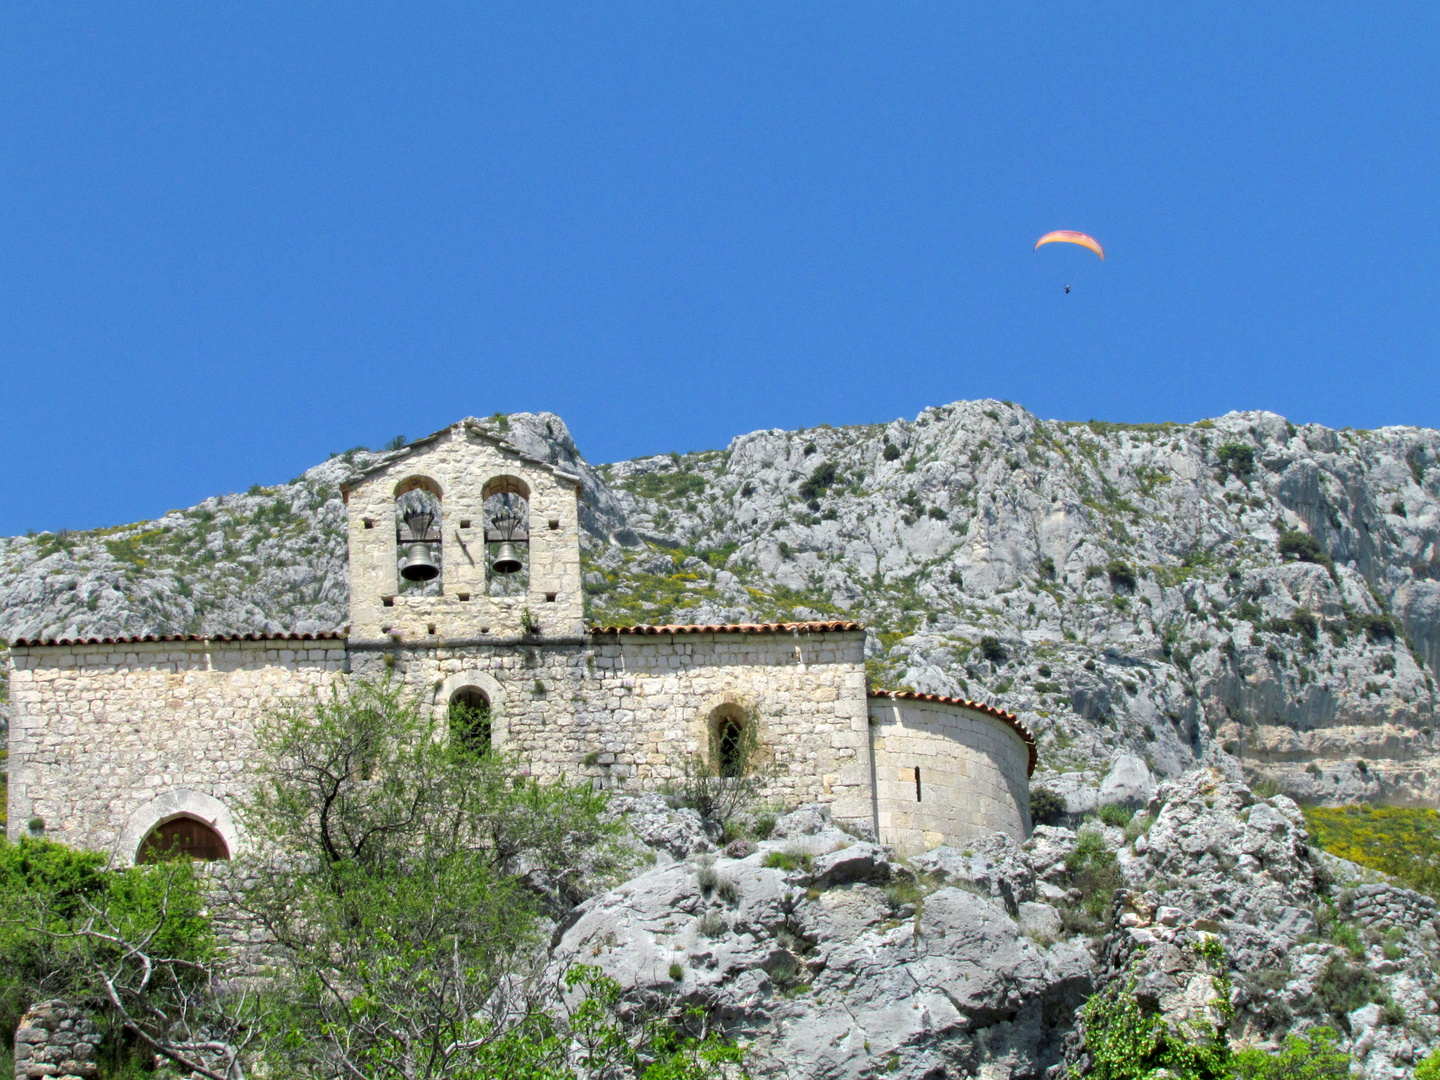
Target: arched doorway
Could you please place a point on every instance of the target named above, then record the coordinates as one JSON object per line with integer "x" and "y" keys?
{"x": 470, "y": 727}
{"x": 182, "y": 838}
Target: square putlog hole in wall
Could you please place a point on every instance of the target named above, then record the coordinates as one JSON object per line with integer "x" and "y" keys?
{"x": 369, "y": 522}
{"x": 388, "y": 601}
{"x": 464, "y": 523}
{"x": 554, "y": 525}
{"x": 550, "y": 597}
{"x": 462, "y": 597}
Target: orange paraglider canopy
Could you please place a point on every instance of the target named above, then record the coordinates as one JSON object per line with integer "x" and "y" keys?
{"x": 1068, "y": 236}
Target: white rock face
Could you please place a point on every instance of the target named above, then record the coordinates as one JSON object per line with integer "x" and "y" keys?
{"x": 823, "y": 974}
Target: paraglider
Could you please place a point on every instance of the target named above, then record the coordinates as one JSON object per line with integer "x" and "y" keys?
{"x": 1068, "y": 236}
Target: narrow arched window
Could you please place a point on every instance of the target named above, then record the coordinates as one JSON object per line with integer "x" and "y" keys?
{"x": 470, "y": 728}
{"x": 182, "y": 838}
{"x": 730, "y": 746}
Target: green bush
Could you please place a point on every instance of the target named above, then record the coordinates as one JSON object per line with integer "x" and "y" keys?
{"x": 1311, "y": 1056}
{"x": 1237, "y": 458}
{"x": 1429, "y": 1068}
{"x": 891, "y": 452}
{"x": 48, "y": 889}
{"x": 1344, "y": 987}
{"x": 991, "y": 649}
{"x": 1125, "y": 1042}
{"x": 1093, "y": 870}
{"x": 1376, "y": 627}
{"x": 1302, "y": 547}
{"x": 1046, "y": 806}
{"x": 1121, "y": 573}
{"x": 820, "y": 480}
{"x": 786, "y": 860}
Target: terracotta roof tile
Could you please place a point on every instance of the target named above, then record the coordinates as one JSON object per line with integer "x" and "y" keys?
{"x": 979, "y": 706}
{"x": 735, "y": 628}
{"x": 30, "y": 643}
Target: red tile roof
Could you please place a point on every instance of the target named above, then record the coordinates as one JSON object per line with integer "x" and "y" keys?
{"x": 735, "y": 628}
{"x": 30, "y": 643}
{"x": 978, "y": 706}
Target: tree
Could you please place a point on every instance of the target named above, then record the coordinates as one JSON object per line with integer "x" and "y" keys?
{"x": 133, "y": 944}
{"x": 402, "y": 879}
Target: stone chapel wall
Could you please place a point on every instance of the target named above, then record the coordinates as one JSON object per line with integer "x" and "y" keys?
{"x": 974, "y": 774}
{"x": 626, "y": 709}
{"x": 105, "y": 737}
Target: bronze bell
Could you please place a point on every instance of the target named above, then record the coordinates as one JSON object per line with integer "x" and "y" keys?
{"x": 418, "y": 564}
{"x": 507, "y": 559}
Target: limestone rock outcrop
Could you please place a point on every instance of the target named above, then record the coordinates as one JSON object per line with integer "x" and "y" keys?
{"x": 819, "y": 953}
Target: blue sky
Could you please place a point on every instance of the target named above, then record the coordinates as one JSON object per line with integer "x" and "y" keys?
{"x": 237, "y": 238}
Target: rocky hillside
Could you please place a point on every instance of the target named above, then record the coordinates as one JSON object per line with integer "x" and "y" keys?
{"x": 1242, "y": 592}
{"x": 830, "y": 959}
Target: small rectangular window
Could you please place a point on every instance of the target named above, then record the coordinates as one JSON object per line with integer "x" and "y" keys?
{"x": 369, "y": 522}
{"x": 464, "y": 523}
{"x": 430, "y": 629}
{"x": 388, "y": 601}
{"x": 917, "y": 783}
{"x": 550, "y": 597}
{"x": 554, "y": 525}
{"x": 462, "y": 597}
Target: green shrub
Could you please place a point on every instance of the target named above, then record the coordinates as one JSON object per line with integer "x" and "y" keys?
{"x": 1344, "y": 987}
{"x": 1125, "y": 1042}
{"x": 1046, "y": 806}
{"x": 991, "y": 649}
{"x": 1429, "y": 1068}
{"x": 763, "y": 826}
{"x": 820, "y": 480}
{"x": 1092, "y": 869}
{"x": 677, "y": 972}
{"x": 1237, "y": 458}
{"x": 44, "y": 884}
{"x": 1376, "y": 627}
{"x": 1302, "y": 547}
{"x": 891, "y": 452}
{"x": 1311, "y": 1056}
{"x": 1121, "y": 573}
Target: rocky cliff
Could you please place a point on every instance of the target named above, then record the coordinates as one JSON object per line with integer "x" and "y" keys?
{"x": 830, "y": 959}
{"x": 1244, "y": 591}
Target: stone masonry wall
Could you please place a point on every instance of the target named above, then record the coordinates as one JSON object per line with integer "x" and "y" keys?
{"x": 105, "y": 735}
{"x": 626, "y": 710}
{"x": 460, "y": 462}
{"x": 972, "y": 775}
{"x": 57, "y": 1042}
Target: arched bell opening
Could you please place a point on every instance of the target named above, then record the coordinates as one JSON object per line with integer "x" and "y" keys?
{"x": 470, "y": 721}
{"x": 420, "y": 567}
{"x": 732, "y": 741}
{"x": 507, "y": 536}
{"x": 182, "y": 837}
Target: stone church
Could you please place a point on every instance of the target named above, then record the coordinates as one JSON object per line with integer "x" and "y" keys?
{"x": 465, "y": 582}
